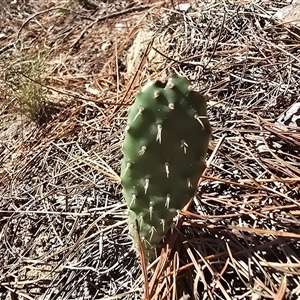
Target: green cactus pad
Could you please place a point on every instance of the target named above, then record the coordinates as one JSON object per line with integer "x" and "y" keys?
{"x": 165, "y": 144}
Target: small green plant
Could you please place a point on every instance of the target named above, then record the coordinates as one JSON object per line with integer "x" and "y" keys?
{"x": 164, "y": 150}
{"x": 31, "y": 102}
{"x": 28, "y": 95}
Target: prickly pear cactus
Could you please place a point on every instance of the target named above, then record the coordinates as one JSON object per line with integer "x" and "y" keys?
{"x": 165, "y": 143}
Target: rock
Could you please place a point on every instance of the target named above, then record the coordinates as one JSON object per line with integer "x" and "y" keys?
{"x": 289, "y": 14}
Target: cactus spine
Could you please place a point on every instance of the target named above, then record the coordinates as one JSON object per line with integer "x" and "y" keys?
{"x": 165, "y": 143}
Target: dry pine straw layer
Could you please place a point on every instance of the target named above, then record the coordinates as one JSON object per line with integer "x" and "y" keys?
{"x": 64, "y": 232}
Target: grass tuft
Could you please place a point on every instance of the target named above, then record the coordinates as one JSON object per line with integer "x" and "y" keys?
{"x": 27, "y": 94}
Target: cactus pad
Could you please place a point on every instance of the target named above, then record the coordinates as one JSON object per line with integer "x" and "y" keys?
{"x": 165, "y": 144}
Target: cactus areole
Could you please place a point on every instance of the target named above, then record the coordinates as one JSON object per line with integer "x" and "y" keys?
{"x": 165, "y": 143}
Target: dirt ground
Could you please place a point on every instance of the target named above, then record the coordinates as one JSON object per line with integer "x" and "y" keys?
{"x": 69, "y": 71}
